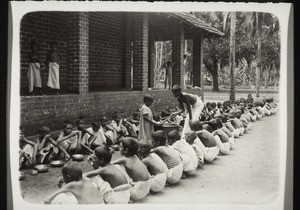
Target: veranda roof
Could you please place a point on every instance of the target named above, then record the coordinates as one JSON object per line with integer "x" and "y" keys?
{"x": 193, "y": 21}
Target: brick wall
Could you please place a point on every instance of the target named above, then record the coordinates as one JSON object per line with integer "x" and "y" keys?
{"x": 53, "y": 110}
{"x": 106, "y": 53}
{"x": 44, "y": 28}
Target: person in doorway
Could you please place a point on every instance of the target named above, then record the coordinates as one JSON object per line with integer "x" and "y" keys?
{"x": 168, "y": 80}
{"x": 53, "y": 59}
{"x": 33, "y": 73}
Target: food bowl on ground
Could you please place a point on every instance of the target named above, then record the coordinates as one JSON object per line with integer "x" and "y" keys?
{"x": 41, "y": 168}
{"x": 22, "y": 176}
{"x": 78, "y": 157}
{"x": 57, "y": 163}
{"x": 115, "y": 147}
{"x": 33, "y": 172}
{"x": 168, "y": 127}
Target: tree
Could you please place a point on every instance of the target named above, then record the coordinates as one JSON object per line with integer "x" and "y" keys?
{"x": 232, "y": 55}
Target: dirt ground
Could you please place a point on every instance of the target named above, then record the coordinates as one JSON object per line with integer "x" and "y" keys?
{"x": 249, "y": 174}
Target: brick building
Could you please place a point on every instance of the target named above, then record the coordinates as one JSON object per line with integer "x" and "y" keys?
{"x": 106, "y": 61}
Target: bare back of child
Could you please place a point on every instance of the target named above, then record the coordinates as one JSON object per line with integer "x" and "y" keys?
{"x": 81, "y": 187}
{"x": 133, "y": 165}
{"x": 107, "y": 171}
{"x": 206, "y": 137}
{"x": 152, "y": 161}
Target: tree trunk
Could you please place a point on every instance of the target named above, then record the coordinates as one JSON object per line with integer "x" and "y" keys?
{"x": 258, "y": 23}
{"x": 232, "y": 56}
{"x": 215, "y": 75}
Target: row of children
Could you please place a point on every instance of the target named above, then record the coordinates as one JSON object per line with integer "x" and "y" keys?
{"x": 81, "y": 140}
{"x": 151, "y": 165}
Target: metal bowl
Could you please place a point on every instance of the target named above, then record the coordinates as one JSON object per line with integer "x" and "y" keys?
{"x": 33, "y": 172}
{"x": 42, "y": 168}
{"x": 57, "y": 163}
{"x": 168, "y": 127}
{"x": 78, "y": 157}
{"x": 22, "y": 176}
{"x": 115, "y": 147}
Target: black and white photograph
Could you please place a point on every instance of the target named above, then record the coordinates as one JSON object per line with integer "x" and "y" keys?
{"x": 138, "y": 103}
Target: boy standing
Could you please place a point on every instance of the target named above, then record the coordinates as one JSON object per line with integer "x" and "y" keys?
{"x": 146, "y": 120}
{"x": 168, "y": 80}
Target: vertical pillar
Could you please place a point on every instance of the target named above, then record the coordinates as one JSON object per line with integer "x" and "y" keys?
{"x": 128, "y": 50}
{"x": 197, "y": 60}
{"x": 83, "y": 52}
{"x": 78, "y": 52}
{"x": 140, "y": 51}
{"x": 152, "y": 59}
{"x": 177, "y": 55}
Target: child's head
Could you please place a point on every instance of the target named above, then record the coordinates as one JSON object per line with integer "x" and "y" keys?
{"x": 95, "y": 125}
{"x": 129, "y": 146}
{"x": 71, "y": 172}
{"x": 213, "y": 105}
{"x": 148, "y": 100}
{"x": 103, "y": 154}
{"x": 196, "y": 126}
{"x": 208, "y": 105}
{"x": 213, "y": 125}
{"x": 159, "y": 138}
{"x": 136, "y": 116}
{"x": 144, "y": 148}
{"x": 220, "y": 105}
{"x": 68, "y": 127}
{"x": 103, "y": 120}
{"x": 176, "y": 90}
{"x": 21, "y": 132}
{"x": 219, "y": 122}
{"x": 80, "y": 122}
{"x": 190, "y": 136}
{"x": 117, "y": 117}
{"x": 43, "y": 131}
{"x": 173, "y": 136}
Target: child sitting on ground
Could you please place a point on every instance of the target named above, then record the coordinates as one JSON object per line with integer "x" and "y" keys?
{"x": 138, "y": 175}
{"x": 221, "y": 137}
{"x": 170, "y": 156}
{"x": 155, "y": 165}
{"x": 190, "y": 160}
{"x": 108, "y": 178}
{"x": 70, "y": 140}
{"x": 47, "y": 148}
{"x": 28, "y": 150}
{"x": 108, "y": 131}
{"x": 117, "y": 125}
{"x": 190, "y": 138}
{"x": 94, "y": 136}
{"x": 81, "y": 187}
{"x": 210, "y": 153}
